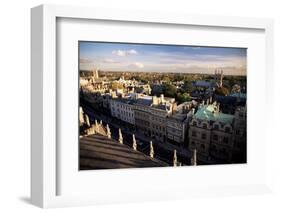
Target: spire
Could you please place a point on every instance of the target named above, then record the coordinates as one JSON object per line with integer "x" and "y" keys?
{"x": 134, "y": 142}
{"x": 175, "y": 160}
{"x": 87, "y": 120}
{"x": 120, "y": 137}
{"x": 81, "y": 116}
{"x": 100, "y": 122}
{"x": 97, "y": 125}
{"x": 108, "y": 132}
{"x": 93, "y": 129}
{"x": 151, "y": 154}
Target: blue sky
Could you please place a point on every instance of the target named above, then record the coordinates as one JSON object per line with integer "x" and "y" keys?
{"x": 161, "y": 58}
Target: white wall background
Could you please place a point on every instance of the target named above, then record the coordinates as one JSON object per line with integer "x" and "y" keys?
{"x": 15, "y": 104}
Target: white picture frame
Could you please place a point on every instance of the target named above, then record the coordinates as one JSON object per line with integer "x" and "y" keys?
{"x": 44, "y": 154}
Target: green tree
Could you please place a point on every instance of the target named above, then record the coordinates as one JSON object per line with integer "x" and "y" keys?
{"x": 170, "y": 90}
{"x": 183, "y": 97}
{"x": 188, "y": 87}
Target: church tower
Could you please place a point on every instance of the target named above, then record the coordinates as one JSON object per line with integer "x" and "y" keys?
{"x": 218, "y": 77}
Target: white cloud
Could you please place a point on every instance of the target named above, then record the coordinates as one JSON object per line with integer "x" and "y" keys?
{"x": 85, "y": 60}
{"x": 109, "y": 60}
{"x": 136, "y": 65}
{"x": 124, "y": 52}
{"x": 132, "y": 52}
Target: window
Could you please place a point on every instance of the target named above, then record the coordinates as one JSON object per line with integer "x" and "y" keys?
{"x": 202, "y": 146}
{"x": 227, "y": 129}
{"x": 204, "y": 126}
{"x": 216, "y": 127}
{"x": 237, "y": 132}
{"x": 215, "y": 137}
{"x": 194, "y": 123}
{"x": 241, "y": 115}
{"x": 193, "y": 133}
{"x": 225, "y": 139}
{"x": 203, "y": 136}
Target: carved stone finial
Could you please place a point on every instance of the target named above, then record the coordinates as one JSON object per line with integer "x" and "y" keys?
{"x": 151, "y": 154}
{"x": 108, "y": 132}
{"x": 87, "y": 120}
{"x": 134, "y": 142}
{"x": 120, "y": 137}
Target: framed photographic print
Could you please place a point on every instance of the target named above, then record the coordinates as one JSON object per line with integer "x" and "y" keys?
{"x": 129, "y": 106}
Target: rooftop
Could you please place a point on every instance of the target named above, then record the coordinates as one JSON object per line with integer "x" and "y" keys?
{"x": 239, "y": 95}
{"x": 209, "y": 113}
{"x": 99, "y": 152}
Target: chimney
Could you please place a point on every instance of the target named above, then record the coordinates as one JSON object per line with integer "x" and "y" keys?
{"x": 162, "y": 98}
{"x": 174, "y": 107}
{"x": 155, "y": 100}
{"x": 193, "y": 111}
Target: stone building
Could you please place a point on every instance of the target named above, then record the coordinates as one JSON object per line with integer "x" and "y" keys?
{"x": 161, "y": 108}
{"x": 211, "y": 133}
{"x": 142, "y": 113}
{"x": 151, "y": 113}
{"x": 123, "y": 109}
{"x": 178, "y": 122}
{"x": 240, "y": 135}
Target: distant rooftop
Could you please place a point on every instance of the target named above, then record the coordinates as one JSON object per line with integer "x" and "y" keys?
{"x": 207, "y": 112}
{"x": 239, "y": 95}
{"x": 144, "y": 100}
{"x": 179, "y": 114}
{"x": 201, "y": 83}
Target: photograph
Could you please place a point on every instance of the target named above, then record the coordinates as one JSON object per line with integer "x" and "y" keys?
{"x": 161, "y": 105}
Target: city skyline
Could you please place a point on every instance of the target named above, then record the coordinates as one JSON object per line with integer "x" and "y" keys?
{"x": 161, "y": 58}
